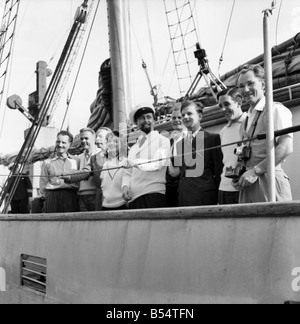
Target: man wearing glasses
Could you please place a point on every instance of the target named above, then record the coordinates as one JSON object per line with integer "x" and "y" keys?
{"x": 253, "y": 184}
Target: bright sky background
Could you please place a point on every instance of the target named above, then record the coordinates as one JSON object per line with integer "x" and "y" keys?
{"x": 43, "y": 27}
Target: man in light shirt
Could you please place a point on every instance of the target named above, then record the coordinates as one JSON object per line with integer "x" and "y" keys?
{"x": 230, "y": 102}
{"x": 60, "y": 197}
{"x": 144, "y": 185}
{"x": 254, "y": 182}
{"x": 87, "y": 185}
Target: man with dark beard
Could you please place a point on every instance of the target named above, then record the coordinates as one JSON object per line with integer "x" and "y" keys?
{"x": 144, "y": 184}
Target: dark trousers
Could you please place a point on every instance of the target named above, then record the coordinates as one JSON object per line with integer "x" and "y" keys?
{"x": 61, "y": 201}
{"x": 20, "y": 206}
{"x": 87, "y": 203}
{"x": 229, "y": 198}
{"x": 172, "y": 196}
{"x": 149, "y": 201}
{"x": 192, "y": 195}
{"x": 37, "y": 206}
{"x": 99, "y": 199}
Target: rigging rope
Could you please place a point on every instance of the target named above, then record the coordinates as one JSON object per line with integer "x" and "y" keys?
{"x": 151, "y": 39}
{"x": 282, "y": 132}
{"x": 277, "y": 22}
{"x": 40, "y": 119}
{"x": 72, "y": 55}
{"x": 10, "y": 24}
{"x": 80, "y": 65}
{"x": 226, "y": 37}
{"x": 174, "y": 37}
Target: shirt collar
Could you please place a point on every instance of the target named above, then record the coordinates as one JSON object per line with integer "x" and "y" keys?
{"x": 89, "y": 154}
{"x": 180, "y": 136}
{"x": 56, "y": 157}
{"x": 197, "y": 131}
{"x": 240, "y": 120}
{"x": 260, "y": 106}
{"x": 148, "y": 136}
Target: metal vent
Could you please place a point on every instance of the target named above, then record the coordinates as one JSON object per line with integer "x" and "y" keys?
{"x": 34, "y": 273}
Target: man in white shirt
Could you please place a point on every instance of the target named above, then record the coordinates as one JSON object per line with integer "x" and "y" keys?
{"x": 144, "y": 185}
{"x": 230, "y": 102}
{"x": 254, "y": 183}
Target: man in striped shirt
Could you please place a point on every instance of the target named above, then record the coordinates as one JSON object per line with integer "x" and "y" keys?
{"x": 60, "y": 197}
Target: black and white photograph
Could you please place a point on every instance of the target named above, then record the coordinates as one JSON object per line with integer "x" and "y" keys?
{"x": 148, "y": 154}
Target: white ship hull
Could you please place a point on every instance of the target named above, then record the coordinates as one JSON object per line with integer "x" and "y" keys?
{"x": 234, "y": 254}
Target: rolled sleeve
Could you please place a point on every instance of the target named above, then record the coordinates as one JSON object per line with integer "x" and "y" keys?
{"x": 283, "y": 118}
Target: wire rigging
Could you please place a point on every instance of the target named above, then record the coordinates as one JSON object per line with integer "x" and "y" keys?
{"x": 279, "y": 133}
{"x": 151, "y": 38}
{"x": 226, "y": 36}
{"x": 277, "y": 22}
{"x": 7, "y": 37}
{"x": 80, "y": 65}
{"x": 41, "y": 117}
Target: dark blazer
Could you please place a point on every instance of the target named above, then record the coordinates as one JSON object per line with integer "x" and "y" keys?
{"x": 200, "y": 169}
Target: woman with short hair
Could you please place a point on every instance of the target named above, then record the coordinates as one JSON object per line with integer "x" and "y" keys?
{"x": 112, "y": 173}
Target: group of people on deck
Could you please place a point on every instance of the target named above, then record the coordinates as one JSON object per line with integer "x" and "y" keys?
{"x": 188, "y": 168}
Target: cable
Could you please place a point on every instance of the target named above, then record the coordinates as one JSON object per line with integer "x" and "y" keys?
{"x": 41, "y": 117}
{"x": 80, "y": 65}
{"x": 177, "y": 54}
{"x": 277, "y": 22}
{"x": 24, "y": 15}
{"x": 279, "y": 133}
{"x": 226, "y": 36}
{"x": 150, "y": 38}
{"x": 9, "y": 56}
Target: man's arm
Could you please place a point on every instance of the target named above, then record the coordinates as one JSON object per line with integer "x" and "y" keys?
{"x": 217, "y": 158}
{"x": 161, "y": 158}
{"x": 126, "y": 182}
{"x": 176, "y": 161}
{"x": 44, "y": 179}
{"x": 283, "y": 150}
{"x": 284, "y": 147}
{"x": 77, "y": 176}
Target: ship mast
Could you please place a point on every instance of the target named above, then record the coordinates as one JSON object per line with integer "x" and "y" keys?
{"x": 118, "y": 33}
{"x": 269, "y": 105}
